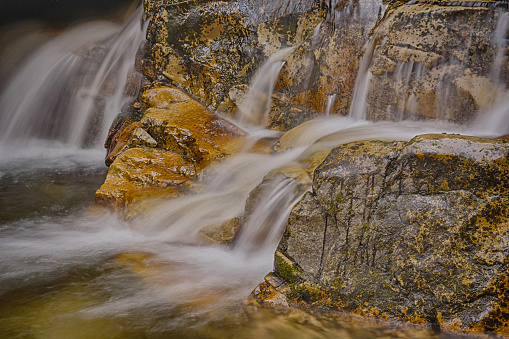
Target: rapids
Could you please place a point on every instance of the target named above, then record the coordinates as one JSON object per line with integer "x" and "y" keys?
{"x": 70, "y": 269}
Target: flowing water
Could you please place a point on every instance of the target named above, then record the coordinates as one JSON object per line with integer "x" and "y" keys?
{"x": 71, "y": 88}
{"x": 69, "y": 269}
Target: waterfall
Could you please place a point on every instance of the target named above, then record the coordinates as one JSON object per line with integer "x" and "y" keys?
{"x": 152, "y": 275}
{"x": 70, "y": 89}
{"x": 255, "y": 107}
{"x": 264, "y": 226}
{"x": 494, "y": 122}
{"x": 395, "y": 82}
{"x": 331, "y": 99}
{"x": 359, "y": 103}
{"x": 501, "y": 43}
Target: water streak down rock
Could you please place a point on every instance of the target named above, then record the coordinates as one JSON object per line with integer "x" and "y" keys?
{"x": 417, "y": 231}
{"x": 438, "y": 60}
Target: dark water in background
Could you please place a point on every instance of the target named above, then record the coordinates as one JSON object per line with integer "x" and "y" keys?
{"x": 59, "y": 11}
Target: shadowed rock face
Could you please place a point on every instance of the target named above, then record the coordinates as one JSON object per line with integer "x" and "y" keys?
{"x": 416, "y": 231}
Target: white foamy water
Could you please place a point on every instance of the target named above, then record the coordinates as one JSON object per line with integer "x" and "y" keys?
{"x": 255, "y": 107}
{"x": 72, "y": 84}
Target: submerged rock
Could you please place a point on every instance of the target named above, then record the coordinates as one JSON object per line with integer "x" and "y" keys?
{"x": 417, "y": 231}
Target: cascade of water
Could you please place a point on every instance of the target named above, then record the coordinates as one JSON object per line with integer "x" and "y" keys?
{"x": 72, "y": 86}
{"x": 226, "y": 189}
{"x": 255, "y": 107}
{"x": 494, "y": 122}
{"x": 118, "y": 63}
{"x": 358, "y": 105}
{"x": 331, "y": 99}
{"x": 501, "y": 43}
{"x": 227, "y": 186}
{"x": 265, "y": 224}
{"x": 316, "y": 37}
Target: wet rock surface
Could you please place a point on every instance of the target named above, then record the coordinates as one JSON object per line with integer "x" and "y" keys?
{"x": 423, "y": 56}
{"x": 213, "y": 48}
{"x": 416, "y": 231}
{"x": 174, "y": 140}
{"x": 438, "y": 60}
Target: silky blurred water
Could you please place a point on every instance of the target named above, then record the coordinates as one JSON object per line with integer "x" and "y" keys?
{"x": 71, "y": 269}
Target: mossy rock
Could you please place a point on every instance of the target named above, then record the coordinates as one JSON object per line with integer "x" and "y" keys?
{"x": 414, "y": 231}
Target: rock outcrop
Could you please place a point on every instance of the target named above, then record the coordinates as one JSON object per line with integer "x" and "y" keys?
{"x": 424, "y": 60}
{"x": 417, "y": 231}
{"x": 175, "y": 138}
{"x": 213, "y": 48}
{"x": 439, "y": 60}
{"x": 421, "y": 59}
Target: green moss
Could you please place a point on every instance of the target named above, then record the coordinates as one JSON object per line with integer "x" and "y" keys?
{"x": 305, "y": 292}
{"x": 286, "y": 269}
{"x": 333, "y": 206}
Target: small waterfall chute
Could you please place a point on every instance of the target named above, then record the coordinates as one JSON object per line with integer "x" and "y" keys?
{"x": 266, "y": 222}
{"x": 255, "y": 107}
{"x": 358, "y": 105}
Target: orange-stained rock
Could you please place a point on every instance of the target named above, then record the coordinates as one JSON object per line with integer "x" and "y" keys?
{"x": 143, "y": 172}
{"x": 163, "y": 96}
{"x": 192, "y": 130}
{"x": 175, "y": 139}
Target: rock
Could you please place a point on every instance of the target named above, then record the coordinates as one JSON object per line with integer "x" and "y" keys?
{"x": 222, "y": 234}
{"x": 267, "y": 292}
{"x": 212, "y": 49}
{"x": 142, "y": 172}
{"x": 206, "y": 48}
{"x": 422, "y": 56}
{"x": 192, "y": 130}
{"x": 176, "y": 138}
{"x": 163, "y": 96}
{"x": 437, "y": 60}
{"x": 140, "y": 137}
{"x": 120, "y": 140}
{"x": 416, "y": 231}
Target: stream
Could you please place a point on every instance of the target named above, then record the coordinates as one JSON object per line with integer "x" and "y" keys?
{"x": 72, "y": 269}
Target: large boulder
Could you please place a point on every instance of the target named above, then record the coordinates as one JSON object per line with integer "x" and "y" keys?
{"x": 416, "y": 231}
